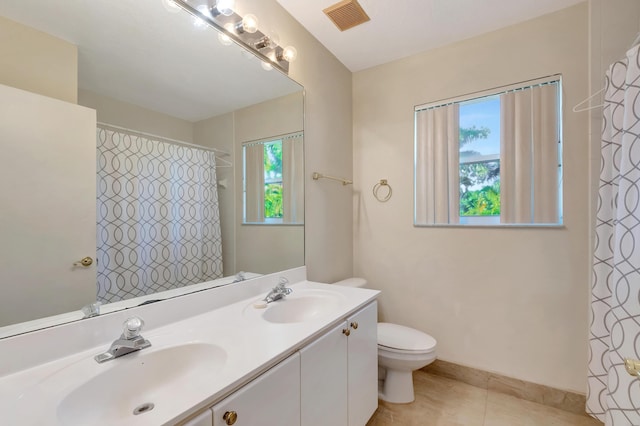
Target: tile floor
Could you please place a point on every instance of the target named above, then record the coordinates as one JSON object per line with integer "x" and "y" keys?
{"x": 446, "y": 402}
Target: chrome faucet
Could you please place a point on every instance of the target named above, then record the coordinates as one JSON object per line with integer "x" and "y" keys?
{"x": 279, "y": 291}
{"x": 129, "y": 341}
{"x": 239, "y": 277}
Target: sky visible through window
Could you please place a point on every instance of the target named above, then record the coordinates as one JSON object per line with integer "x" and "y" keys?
{"x": 482, "y": 112}
{"x": 479, "y": 157}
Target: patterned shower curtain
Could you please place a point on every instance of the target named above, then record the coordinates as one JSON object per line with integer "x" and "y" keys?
{"x": 158, "y": 219}
{"x": 613, "y": 395}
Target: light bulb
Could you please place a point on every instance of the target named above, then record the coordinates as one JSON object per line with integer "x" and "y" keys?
{"x": 199, "y": 22}
{"x": 223, "y": 38}
{"x": 171, "y": 6}
{"x": 266, "y": 66}
{"x": 289, "y": 53}
{"x": 250, "y": 23}
{"x": 225, "y": 7}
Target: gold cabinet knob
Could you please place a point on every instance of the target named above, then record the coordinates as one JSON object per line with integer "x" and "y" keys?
{"x": 230, "y": 417}
{"x": 632, "y": 366}
{"x": 85, "y": 261}
{"x": 354, "y": 325}
{"x": 346, "y": 332}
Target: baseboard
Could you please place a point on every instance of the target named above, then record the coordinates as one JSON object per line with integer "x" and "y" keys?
{"x": 564, "y": 400}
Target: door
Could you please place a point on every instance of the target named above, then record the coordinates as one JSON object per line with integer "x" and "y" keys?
{"x": 48, "y": 151}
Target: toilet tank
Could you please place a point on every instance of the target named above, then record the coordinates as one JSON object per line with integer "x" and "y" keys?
{"x": 352, "y": 282}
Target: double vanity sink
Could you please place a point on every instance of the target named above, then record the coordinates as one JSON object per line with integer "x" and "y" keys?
{"x": 191, "y": 364}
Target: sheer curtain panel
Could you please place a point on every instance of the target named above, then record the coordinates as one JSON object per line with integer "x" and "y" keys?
{"x": 437, "y": 165}
{"x": 254, "y": 182}
{"x": 293, "y": 178}
{"x": 529, "y": 155}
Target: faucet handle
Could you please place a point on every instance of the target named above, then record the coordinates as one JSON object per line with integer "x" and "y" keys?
{"x": 281, "y": 287}
{"x": 282, "y": 281}
{"x": 131, "y": 327}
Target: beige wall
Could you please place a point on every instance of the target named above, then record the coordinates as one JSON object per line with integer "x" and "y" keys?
{"x": 512, "y": 301}
{"x": 129, "y": 116}
{"x": 38, "y": 62}
{"x": 253, "y": 248}
{"x": 218, "y": 132}
{"x": 266, "y": 248}
{"x": 328, "y": 143}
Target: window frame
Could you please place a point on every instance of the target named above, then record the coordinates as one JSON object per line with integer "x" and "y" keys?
{"x": 266, "y": 221}
{"x": 494, "y": 221}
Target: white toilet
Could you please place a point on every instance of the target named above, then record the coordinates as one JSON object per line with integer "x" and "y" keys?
{"x": 401, "y": 350}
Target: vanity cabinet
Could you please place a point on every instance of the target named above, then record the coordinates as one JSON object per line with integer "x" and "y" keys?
{"x": 332, "y": 381}
{"x": 339, "y": 373}
{"x": 271, "y": 399}
{"x": 203, "y": 419}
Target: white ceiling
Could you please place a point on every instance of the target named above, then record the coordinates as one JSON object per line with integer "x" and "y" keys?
{"x": 138, "y": 52}
{"x": 401, "y": 28}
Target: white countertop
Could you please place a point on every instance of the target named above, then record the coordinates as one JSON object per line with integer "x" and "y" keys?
{"x": 251, "y": 346}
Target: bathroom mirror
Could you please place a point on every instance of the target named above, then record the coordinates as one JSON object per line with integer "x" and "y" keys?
{"x": 155, "y": 75}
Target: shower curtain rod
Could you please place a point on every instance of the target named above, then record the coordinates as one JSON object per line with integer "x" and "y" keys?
{"x": 220, "y": 154}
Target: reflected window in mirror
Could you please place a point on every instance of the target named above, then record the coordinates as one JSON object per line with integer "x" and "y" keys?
{"x": 492, "y": 158}
{"x": 273, "y": 181}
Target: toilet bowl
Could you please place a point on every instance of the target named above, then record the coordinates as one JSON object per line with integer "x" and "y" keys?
{"x": 401, "y": 350}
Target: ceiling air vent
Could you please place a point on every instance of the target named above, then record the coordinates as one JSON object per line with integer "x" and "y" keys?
{"x": 346, "y": 14}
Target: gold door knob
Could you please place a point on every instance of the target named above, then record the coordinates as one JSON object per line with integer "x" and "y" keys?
{"x": 354, "y": 325}
{"x": 85, "y": 261}
{"x": 230, "y": 417}
{"x": 346, "y": 332}
{"x": 632, "y": 366}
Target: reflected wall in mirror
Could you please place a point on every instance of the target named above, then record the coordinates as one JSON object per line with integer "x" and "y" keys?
{"x": 169, "y": 108}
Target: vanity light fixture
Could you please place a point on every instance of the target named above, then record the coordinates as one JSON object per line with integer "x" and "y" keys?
{"x": 198, "y": 22}
{"x": 248, "y": 24}
{"x": 264, "y": 43}
{"x": 289, "y": 54}
{"x": 242, "y": 30}
{"x": 225, "y": 39}
{"x": 223, "y": 7}
{"x": 171, "y": 6}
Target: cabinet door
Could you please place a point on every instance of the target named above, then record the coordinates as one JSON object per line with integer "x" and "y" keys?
{"x": 323, "y": 374}
{"x": 363, "y": 365}
{"x": 271, "y": 399}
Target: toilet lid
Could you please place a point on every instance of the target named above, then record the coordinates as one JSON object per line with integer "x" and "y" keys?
{"x": 404, "y": 338}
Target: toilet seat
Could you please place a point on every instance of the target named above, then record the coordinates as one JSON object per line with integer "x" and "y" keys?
{"x": 400, "y": 339}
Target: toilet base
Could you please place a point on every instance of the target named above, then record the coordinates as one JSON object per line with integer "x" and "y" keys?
{"x": 397, "y": 387}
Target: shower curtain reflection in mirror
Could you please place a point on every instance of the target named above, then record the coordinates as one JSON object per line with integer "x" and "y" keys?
{"x": 158, "y": 220}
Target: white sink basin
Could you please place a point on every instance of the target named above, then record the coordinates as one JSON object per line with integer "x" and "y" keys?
{"x": 303, "y": 305}
{"x": 136, "y": 381}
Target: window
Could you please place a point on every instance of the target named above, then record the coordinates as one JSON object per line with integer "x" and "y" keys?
{"x": 491, "y": 159}
{"x": 273, "y": 180}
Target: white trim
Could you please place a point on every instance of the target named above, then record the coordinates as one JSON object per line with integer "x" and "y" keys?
{"x": 479, "y": 159}
{"x": 274, "y": 138}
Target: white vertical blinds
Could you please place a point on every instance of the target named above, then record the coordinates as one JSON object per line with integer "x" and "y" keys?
{"x": 529, "y": 155}
{"x": 254, "y": 182}
{"x": 293, "y": 178}
{"x": 437, "y": 165}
